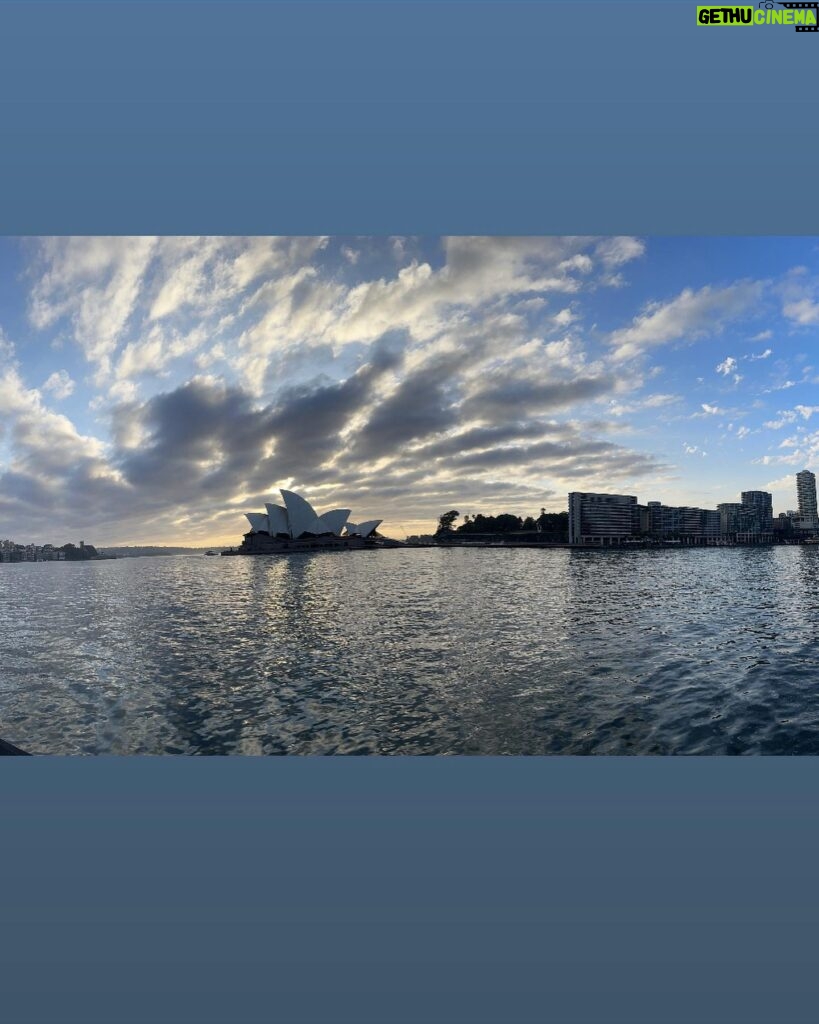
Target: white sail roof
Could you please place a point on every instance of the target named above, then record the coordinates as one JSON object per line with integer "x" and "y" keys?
{"x": 258, "y": 522}
{"x": 301, "y": 515}
{"x": 277, "y": 517}
{"x": 363, "y": 529}
{"x": 335, "y": 520}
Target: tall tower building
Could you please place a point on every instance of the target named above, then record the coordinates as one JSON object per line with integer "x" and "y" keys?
{"x": 806, "y": 495}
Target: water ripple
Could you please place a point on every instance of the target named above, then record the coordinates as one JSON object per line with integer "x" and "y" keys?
{"x": 425, "y": 651}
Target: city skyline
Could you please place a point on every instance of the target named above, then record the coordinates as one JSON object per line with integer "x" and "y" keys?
{"x": 153, "y": 390}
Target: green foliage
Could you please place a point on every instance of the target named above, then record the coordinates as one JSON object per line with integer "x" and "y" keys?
{"x": 75, "y": 554}
{"x": 447, "y": 521}
{"x": 551, "y": 526}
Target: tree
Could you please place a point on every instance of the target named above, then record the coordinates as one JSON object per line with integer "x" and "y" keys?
{"x": 446, "y": 521}
{"x": 506, "y": 522}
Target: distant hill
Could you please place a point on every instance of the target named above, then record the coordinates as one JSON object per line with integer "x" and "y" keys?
{"x": 141, "y": 551}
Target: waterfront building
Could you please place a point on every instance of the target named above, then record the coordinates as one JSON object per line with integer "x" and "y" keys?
{"x": 739, "y": 522}
{"x": 663, "y": 520}
{"x": 612, "y": 519}
{"x": 295, "y": 525}
{"x": 711, "y": 524}
{"x": 602, "y": 519}
{"x": 687, "y": 524}
{"x": 761, "y": 505}
{"x": 806, "y": 497}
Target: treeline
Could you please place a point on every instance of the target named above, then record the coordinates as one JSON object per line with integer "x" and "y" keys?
{"x": 75, "y": 554}
{"x": 549, "y": 525}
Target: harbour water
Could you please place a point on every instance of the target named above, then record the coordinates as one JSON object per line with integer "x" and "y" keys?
{"x": 430, "y": 651}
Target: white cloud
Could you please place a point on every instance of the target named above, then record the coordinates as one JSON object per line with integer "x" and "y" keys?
{"x": 95, "y": 282}
{"x": 785, "y": 417}
{"x": 564, "y": 318}
{"x": 6, "y": 348}
{"x": 617, "y": 408}
{"x": 803, "y": 312}
{"x": 41, "y": 439}
{"x": 60, "y": 384}
{"x": 692, "y": 449}
{"x": 712, "y": 410}
{"x": 762, "y": 355}
{"x": 800, "y": 293}
{"x": 690, "y": 315}
{"x": 727, "y": 366}
{"x": 614, "y": 252}
{"x": 113, "y": 292}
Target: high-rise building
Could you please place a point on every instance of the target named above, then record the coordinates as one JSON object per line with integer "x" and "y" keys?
{"x": 806, "y": 495}
{"x": 761, "y": 503}
{"x": 602, "y": 518}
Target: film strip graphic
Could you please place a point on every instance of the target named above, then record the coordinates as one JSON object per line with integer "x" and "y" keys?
{"x": 813, "y": 5}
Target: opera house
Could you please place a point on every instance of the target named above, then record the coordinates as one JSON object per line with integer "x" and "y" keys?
{"x": 296, "y": 526}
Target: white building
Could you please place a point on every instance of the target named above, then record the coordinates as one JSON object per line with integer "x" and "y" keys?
{"x": 297, "y": 518}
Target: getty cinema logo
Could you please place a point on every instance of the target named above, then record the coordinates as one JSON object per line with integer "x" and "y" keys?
{"x": 803, "y": 16}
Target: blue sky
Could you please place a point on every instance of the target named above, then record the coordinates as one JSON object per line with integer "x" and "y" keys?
{"x": 154, "y": 389}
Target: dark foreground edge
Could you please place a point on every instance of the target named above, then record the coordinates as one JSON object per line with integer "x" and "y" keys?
{"x": 7, "y": 748}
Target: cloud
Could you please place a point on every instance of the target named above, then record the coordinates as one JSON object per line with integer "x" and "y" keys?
{"x": 692, "y": 314}
{"x": 727, "y": 366}
{"x": 615, "y": 252}
{"x": 799, "y": 291}
{"x": 804, "y": 312}
{"x": 792, "y": 415}
{"x": 6, "y": 348}
{"x": 95, "y": 283}
{"x": 762, "y": 355}
{"x": 112, "y": 293}
{"x": 508, "y": 394}
{"x": 60, "y": 384}
{"x": 788, "y": 416}
{"x": 712, "y": 410}
{"x": 55, "y": 474}
{"x": 692, "y": 449}
{"x": 476, "y": 271}
{"x": 650, "y": 402}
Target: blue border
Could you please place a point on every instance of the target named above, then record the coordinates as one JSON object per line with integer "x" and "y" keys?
{"x": 409, "y": 889}
{"x": 373, "y": 118}
{"x": 565, "y": 890}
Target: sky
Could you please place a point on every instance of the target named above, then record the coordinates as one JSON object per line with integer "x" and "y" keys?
{"x": 153, "y": 390}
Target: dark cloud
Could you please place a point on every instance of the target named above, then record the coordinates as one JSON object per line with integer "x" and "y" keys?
{"x": 422, "y": 405}
{"x": 190, "y": 428}
{"x": 485, "y": 437}
{"x": 514, "y": 396}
